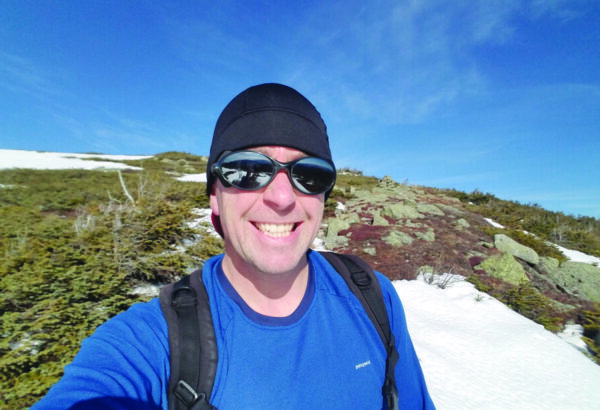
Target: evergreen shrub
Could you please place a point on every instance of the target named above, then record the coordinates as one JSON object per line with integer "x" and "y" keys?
{"x": 73, "y": 246}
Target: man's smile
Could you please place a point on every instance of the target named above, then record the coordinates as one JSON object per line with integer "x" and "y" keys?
{"x": 276, "y": 230}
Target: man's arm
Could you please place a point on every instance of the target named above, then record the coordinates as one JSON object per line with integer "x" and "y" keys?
{"x": 123, "y": 365}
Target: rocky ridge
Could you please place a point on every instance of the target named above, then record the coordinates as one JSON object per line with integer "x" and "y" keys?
{"x": 404, "y": 230}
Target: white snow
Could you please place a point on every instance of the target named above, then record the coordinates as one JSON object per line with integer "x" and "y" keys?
{"x": 60, "y": 160}
{"x": 203, "y": 221}
{"x": 577, "y": 256}
{"x": 192, "y": 178}
{"x": 475, "y": 352}
{"x": 478, "y": 354}
{"x": 572, "y": 334}
{"x": 494, "y": 223}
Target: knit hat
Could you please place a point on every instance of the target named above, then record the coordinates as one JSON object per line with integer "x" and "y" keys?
{"x": 268, "y": 114}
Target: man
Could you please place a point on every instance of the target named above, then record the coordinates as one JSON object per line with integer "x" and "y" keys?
{"x": 289, "y": 331}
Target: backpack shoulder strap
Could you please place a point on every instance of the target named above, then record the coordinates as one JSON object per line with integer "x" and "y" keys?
{"x": 192, "y": 343}
{"x": 363, "y": 283}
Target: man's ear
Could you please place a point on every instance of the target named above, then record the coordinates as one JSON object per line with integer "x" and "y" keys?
{"x": 214, "y": 203}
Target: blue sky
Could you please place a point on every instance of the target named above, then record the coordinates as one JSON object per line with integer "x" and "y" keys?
{"x": 499, "y": 96}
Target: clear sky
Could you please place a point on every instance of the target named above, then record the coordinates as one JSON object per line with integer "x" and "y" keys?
{"x": 499, "y": 96}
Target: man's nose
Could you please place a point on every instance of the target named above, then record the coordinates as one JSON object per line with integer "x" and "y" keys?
{"x": 280, "y": 192}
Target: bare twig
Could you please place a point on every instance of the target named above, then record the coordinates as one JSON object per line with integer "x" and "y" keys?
{"x": 125, "y": 188}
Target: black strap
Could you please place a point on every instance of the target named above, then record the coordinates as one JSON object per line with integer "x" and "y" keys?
{"x": 195, "y": 361}
{"x": 361, "y": 279}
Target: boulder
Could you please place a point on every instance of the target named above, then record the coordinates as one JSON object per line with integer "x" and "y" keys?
{"x": 341, "y": 222}
{"x": 486, "y": 244}
{"x": 505, "y": 267}
{"x": 428, "y": 235}
{"x": 334, "y": 225}
{"x": 370, "y": 251}
{"x": 505, "y": 244}
{"x": 429, "y": 209}
{"x": 548, "y": 264}
{"x": 368, "y": 198}
{"x": 335, "y": 242}
{"x": 387, "y": 183}
{"x": 580, "y": 279}
{"x": 461, "y": 224}
{"x": 401, "y": 211}
{"x": 451, "y": 210}
{"x": 398, "y": 238}
{"x": 379, "y": 220}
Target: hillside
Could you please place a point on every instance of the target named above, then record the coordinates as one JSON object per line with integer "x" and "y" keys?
{"x": 79, "y": 246}
{"x": 406, "y": 230}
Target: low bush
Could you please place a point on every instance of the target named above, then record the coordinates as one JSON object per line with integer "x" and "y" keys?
{"x": 72, "y": 247}
{"x": 523, "y": 298}
{"x": 580, "y": 233}
{"x": 526, "y": 300}
{"x": 591, "y": 331}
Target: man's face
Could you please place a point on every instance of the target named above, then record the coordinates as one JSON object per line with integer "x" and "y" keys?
{"x": 268, "y": 231}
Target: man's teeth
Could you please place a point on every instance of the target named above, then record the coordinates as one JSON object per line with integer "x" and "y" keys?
{"x": 276, "y": 230}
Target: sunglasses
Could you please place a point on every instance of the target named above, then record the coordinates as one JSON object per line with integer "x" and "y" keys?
{"x": 251, "y": 170}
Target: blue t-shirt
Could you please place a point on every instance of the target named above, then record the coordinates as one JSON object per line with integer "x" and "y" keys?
{"x": 326, "y": 354}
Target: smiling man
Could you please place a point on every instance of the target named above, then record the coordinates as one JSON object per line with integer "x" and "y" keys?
{"x": 288, "y": 330}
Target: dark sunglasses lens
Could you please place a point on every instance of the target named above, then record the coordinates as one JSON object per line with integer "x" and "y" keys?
{"x": 313, "y": 175}
{"x": 246, "y": 170}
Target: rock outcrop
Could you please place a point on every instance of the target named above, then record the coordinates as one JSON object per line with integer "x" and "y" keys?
{"x": 508, "y": 245}
{"x": 400, "y": 228}
{"x": 504, "y": 266}
{"x": 579, "y": 279}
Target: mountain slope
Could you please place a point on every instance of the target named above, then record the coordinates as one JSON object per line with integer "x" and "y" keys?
{"x": 77, "y": 245}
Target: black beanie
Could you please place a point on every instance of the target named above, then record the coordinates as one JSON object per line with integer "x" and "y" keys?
{"x": 268, "y": 114}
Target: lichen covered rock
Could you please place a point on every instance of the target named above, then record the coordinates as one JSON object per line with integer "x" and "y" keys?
{"x": 508, "y": 245}
{"x": 462, "y": 224}
{"x": 581, "y": 279}
{"x": 505, "y": 267}
{"x": 401, "y": 211}
{"x": 428, "y": 235}
{"x": 429, "y": 209}
{"x": 548, "y": 264}
{"x": 379, "y": 220}
{"x": 334, "y": 225}
{"x": 398, "y": 238}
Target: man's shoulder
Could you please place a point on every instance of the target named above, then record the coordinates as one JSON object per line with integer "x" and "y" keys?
{"x": 320, "y": 264}
{"x": 141, "y": 320}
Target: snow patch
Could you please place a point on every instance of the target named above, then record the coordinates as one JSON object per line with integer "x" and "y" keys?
{"x": 60, "y": 160}
{"x": 192, "y": 178}
{"x": 147, "y": 290}
{"x": 494, "y": 223}
{"x": 577, "y": 256}
{"x": 318, "y": 245}
{"x": 478, "y": 354}
{"x": 572, "y": 334}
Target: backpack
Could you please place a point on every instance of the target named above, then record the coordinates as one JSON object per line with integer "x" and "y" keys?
{"x": 193, "y": 347}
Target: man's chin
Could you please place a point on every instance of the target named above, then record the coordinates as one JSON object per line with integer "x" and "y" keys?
{"x": 283, "y": 263}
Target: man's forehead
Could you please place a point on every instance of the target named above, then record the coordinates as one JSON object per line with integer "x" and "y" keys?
{"x": 271, "y": 149}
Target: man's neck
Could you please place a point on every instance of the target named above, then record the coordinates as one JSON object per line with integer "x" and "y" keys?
{"x": 270, "y": 294}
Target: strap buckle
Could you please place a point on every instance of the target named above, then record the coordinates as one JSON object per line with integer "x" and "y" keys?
{"x": 186, "y": 393}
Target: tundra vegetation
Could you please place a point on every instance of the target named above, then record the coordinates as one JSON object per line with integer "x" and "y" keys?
{"x": 77, "y": 246}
